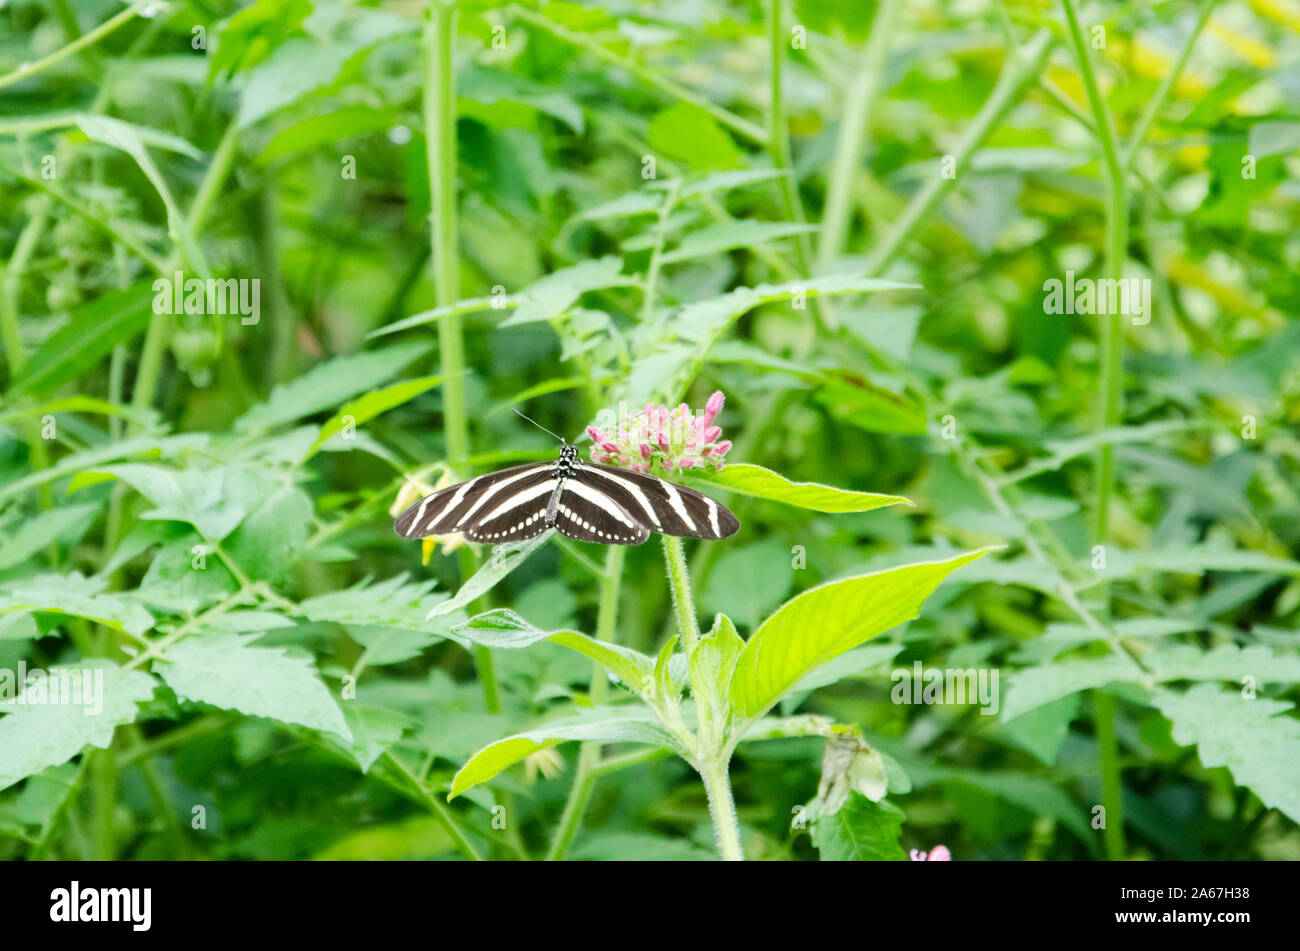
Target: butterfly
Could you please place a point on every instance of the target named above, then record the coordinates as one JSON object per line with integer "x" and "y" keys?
{"x": 584, "y": 500}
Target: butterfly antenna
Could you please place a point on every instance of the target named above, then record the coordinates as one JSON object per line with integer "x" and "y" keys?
{"x": 541, "y": 427}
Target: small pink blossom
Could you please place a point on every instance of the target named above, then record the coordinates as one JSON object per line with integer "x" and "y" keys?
{"x": 662, "y": 439}
{"x": 939, "y": 853}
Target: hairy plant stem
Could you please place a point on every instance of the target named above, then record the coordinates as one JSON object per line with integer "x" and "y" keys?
{"x": 679, "y": 582}
{"x": 1111, "y": 410}
{"x": 589, "y": 756}
{"x": 722, "y": 807}
{"x": 712, "y": 751}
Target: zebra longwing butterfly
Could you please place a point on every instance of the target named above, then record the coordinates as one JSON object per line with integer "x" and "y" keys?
{"x": 584, "y": 500}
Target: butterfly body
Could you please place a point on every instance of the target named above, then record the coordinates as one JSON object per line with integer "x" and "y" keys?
{"x": 583, "y": 500}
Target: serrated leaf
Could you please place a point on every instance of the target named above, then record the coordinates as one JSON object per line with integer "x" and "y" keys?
{"x": 329, "y": 384}
{"x": 860, "y": 831}
{"x": 34, "y": 737}
{"x": 374, "y": 731}
{"x": 395, "y": 603}
{"x": 1257, "y": 740}
{"x": 214, "y": 500}
{"x": 371, "y": 405}
{"x": 228, "y": 671}
{"x": 820, "y": 624}
{"x": 76, "y": 596}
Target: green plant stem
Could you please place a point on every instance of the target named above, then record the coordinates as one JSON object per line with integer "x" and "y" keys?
{"x": 1112, "y": 792}
{"x": 849, "y": 144}
{"x": 584, "y": 779}
{"x": 1138, "y": 133}
{"x": 778, "y": 145}
{"x": 155, "y": 339}
{"x": 439, "y": 810}
{"x": 1111, "y": 411}
{"x": 27, "y": 70}
{"x": 722, "y": 807}
{"x": 1022, "y": 68}
{"x": 648, "y": 76}
{"x": 679, "y": 581}
{"x": 440, "y": 155}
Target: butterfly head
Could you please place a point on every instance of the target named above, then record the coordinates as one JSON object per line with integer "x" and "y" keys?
{"x": 568, "y": 455}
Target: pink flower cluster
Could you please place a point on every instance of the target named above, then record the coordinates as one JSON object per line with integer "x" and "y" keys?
{"x": 661, "y": 440}
{"x": 939, "y": 853}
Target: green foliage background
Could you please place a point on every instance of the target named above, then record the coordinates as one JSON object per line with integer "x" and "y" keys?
{"x": 841, "y": 214}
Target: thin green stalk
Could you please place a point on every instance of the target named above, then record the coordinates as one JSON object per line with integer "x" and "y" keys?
{"x": 722, "y": 807}
{"x": 440, "y": 144}
{"x": 1140, "y": 129}
{"x": 440, "y": 812}
{"x": 1111, "y": 410}
{"x": 1022, "y": 68}
{"x": 648, "y": 76}
{"x": 589, "y": 756}
{"x": 680, "y": 582}
{"x": 778, "y": 145}
{"x": 849, "y": 144}
{"x": 27, "y": 70}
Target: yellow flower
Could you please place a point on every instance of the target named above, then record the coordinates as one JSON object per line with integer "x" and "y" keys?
{"x": 547, "y": 762}
{"x": 412, "y": 490}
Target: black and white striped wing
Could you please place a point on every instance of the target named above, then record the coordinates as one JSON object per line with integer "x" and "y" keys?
{"x": 654, "y": 504}
{"x": 504, "y": 506}
{"x": 590, "y": 514}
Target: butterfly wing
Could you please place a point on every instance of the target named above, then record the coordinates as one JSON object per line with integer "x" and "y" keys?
{"x": 660, "y": 506}
{"x": 466, "y": 506}
{"x": 589, "y": 514}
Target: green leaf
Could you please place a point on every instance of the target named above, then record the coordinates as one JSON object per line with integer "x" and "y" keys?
{"x": 1034, "y": 686}
{"x": 747, "y": 479}
{"x": 370, "y": 406}
{"x": 91, "y": 334}
{"x": 819, "y": 625}
{"x": 374, "y": 731}
{"x": 744, "y": 233}
{"x": 155, "y": 446}
{"x": 1042, "y": 730}
{"x": 503, "y": 560}
{"x": 328, "y": 128}
{"x": 1254, "y": 739}
{"x": 329, "y": 384}
{"x": 603, "y": 724}
{"x": 76, "y": 596}
{"x": 36, "y": 532}
{"x": 549, "y": 297}
{"x": 689, "y": 134}
{"x": 394, "y": 603}
{"x": 227, "y": 671}
{"x": 36, "y": 736}
{"x": 503, "y": 628}
{"x": 214, "y": 500}
{"x": 857, "y": 400}
{"x": 762, "y": 571}
{"x": 861, "y": 831}
{"x": 714, "y": 659}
